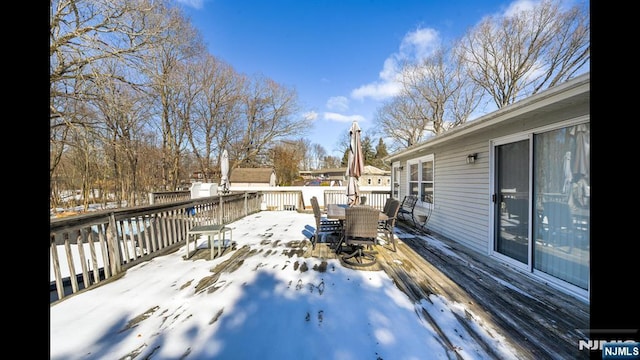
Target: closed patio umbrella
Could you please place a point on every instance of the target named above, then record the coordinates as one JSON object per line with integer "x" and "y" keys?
{"x": 355, "y": 166}
{"x": 581, "y": 161}
{"x": 568, "y": 176}
{"x": 224, "y": 172}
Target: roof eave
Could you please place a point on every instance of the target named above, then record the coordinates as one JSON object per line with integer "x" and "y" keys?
{"x": 569, "y": 89}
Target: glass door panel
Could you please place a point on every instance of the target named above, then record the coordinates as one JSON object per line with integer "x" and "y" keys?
{"x": 512, "y": 193}
{"x": 562, "y": 201}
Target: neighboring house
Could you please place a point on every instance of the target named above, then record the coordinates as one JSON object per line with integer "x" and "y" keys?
{"x": 199, "y": 175}
{"x": 372, "y": 176}
{"x": 334, "y": 176}
{"x": 513, "y": 184}
{"x": 252, "y": 177}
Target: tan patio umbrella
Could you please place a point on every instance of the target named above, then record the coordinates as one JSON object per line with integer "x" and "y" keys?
{"x": 224, "y": 172}
{"x": 355, "y": 167}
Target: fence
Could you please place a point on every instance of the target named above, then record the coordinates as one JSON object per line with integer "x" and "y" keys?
{"x": 375, "y": 198}
{"x": 97, "y": 246}
{"x": 165, "y": 197}
{"x": 90, "y": 248}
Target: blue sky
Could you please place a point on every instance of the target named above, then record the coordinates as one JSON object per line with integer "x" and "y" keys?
{"x": 340, "y": 56}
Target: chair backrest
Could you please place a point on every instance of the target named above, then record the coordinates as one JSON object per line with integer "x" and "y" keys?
{"x": 316, "y": 211}
{"x": 409, "y": 202}
{"x": 391, "y": 210}
{"x": 361, "y": 222}
{"x": 558, "y": 215}
{"x": 386, "y": 204}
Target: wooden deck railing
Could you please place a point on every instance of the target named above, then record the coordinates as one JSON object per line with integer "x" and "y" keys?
{"x": 375, "y": 198}
{"x": 99, "y": 245}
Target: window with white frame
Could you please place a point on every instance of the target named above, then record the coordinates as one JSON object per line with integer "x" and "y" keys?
{"x": 420, "y": 178}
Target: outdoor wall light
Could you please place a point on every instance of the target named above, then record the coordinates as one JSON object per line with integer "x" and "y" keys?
{"x": 471, "y": 158}
{"x": 400, "y": 168}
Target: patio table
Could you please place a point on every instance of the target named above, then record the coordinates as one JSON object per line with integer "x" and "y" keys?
{"x": 211, "y": 231}
{"x": 336, "y": 211}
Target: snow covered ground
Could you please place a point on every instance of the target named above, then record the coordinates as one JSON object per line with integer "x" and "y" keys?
{"x": 271, "y": 305}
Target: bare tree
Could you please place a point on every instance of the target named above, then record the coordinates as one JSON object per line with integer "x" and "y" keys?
{"x": 331, "y": 162}
{"x": 317, "y": 154}
{"x": 436, "y": 96}
{"x": 286, "y": 160}
{"x": 82, "y": 35}
{"x": 439, "y": 91}
{"x": 401, "y": 122}
{"x": 522, "y": 53}
{"x": 123, "y": 110}
{"x": 212, "y": 125}
{"x": 268, "y": 110}
{"x": 164, "y": 67}
{"x": 303, "y": 148}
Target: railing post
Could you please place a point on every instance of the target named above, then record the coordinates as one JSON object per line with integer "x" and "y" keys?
{"x": 246, "y": 203}
{"x": 221, "y": 207}
{"x": 115, "y": 260}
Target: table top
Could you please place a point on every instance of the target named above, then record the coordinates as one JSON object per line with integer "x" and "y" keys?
{"x": 207, "y": 228}
{"x": 336, "y": 211}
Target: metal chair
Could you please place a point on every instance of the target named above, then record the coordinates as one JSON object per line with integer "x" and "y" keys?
{"x": 387, "y": 203}
{"x": 360, "y": 230}
{"x": 324, "y": 226}
{"x": 391, "y": 208}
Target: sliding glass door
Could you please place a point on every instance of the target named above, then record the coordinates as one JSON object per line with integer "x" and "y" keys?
{"x": 542, "y": 202}
{"x": 562, "y": 193}
{"x": 512, "y": 200}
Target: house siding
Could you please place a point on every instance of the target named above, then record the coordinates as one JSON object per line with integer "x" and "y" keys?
{"x": 462, "y": 192}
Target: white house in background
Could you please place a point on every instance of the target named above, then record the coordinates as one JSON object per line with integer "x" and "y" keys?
{"x": 513, "y": 184}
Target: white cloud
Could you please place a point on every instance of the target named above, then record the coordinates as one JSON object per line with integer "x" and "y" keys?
{"x": 518, "y": 7}
{"x": 310, "y": 115}
{"x": 414, "y": 46}
{"x": 343, "y": 118}
{"x": 196, "y": 4}
{"x": 378, "y": 91}
{"x": 419, "y": 44}
{"x": 340, "y": 103}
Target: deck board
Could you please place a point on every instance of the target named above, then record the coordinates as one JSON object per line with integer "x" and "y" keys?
{"x": 538, "y": 320}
